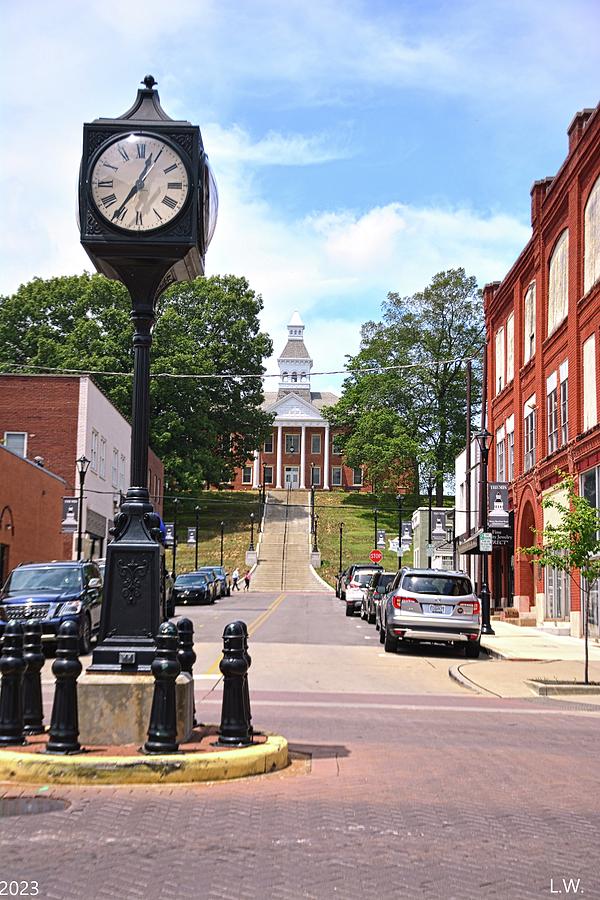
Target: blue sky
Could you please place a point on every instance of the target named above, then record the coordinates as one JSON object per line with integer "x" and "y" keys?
{"x": 359, "y": 148}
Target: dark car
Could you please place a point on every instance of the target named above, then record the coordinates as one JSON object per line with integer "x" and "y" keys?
{"x": 221, "y": 575}
{"x": 53, "y": 593}
{"x": 193, "y": 587}
{"x": 378, "y": 585}
{"x": 215, "y": 583}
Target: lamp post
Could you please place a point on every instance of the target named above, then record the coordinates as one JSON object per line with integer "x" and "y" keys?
{"x": 399, "y": 500}
{"x": 312, "y": 497}
{"x": 251, "y": 547}
{"x": 341, "y": 544}
{"x": 375, "y": 513}
{"x": 483, "y": 439}
{"x": 315, "y": 548}
{"x": 197, "y": 511}
{"x": 83, "y": 465}
{"x": 222, "y": 529}
{"x": 429, "y": 536}
{"x": 175, "y": 505}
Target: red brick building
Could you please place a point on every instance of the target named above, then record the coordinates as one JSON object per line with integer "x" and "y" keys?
{"x": 57, "y": 419}
{"x": 543, "y": 351}
{"x": 302, "y": 449}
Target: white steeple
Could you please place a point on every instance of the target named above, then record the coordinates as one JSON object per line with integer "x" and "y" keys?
{"x": 296, "y": 328}
{"x": 295, "y": 363}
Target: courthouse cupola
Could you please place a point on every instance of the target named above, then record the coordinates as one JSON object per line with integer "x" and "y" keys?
{"x": 294, "y": 362}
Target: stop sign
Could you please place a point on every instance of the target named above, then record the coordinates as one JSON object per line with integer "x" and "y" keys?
{"x": 376, "y": 556}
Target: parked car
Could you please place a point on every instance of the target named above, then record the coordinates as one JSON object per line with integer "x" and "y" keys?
{"x": 192, "y": 587}
{"x": 222, "y": 576}
{"x": 52, "y": 593}
{"x": 431, "y": 605}
{"x": 346, "y": 576}
{"x": 376, "y": 588}
{"x": 338, "y": 582}
{"x": 356, "y": 586}
{"x": 215, "y": 582}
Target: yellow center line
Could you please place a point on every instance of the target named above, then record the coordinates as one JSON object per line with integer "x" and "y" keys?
{"x": 252, "y": 628}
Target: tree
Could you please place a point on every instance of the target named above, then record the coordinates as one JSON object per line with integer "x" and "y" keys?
{"x": 417, "y": 413}
{"x": 573, "y": 546}
{"x": 208, "y": 327}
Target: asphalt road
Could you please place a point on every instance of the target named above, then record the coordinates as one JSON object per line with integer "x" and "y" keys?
{"x": 403, "y": 784}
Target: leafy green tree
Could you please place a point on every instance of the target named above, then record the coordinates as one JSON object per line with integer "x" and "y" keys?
{"x": 415, "y": 416}
{"x": 209, "y": 327}
{"x": 572, "y": 546}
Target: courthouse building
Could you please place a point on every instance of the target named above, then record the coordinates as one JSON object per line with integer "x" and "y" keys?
{"x": 302, "y": 449}
{"x": 543, "y": 364}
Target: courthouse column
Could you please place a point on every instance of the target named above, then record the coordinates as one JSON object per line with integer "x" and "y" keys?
{"x": 326, "y": 460}
{"x": 279, "y": 456}
{"x": 303, "y": 458}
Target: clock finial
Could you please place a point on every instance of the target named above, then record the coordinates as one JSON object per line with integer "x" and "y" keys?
{"x": 149, "y": 81}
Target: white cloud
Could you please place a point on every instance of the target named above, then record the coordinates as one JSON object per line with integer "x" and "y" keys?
{"x": 234, "y": 145}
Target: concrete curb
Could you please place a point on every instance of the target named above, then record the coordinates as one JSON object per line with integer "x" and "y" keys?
{"x": 221, "y": 765}
{"x": 456, "y": 675}
{"x": 324, "y": 583}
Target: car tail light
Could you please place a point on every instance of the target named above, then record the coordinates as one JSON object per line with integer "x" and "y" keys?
{"x": 471, "y": 607}
{"x": 403, "y": 602}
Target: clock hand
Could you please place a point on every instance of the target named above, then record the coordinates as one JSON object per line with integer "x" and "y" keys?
{"x": 131, "y": 194}
{"x": 145, "y": 172}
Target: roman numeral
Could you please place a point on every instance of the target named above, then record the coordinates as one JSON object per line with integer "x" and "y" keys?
{"x": 108, "y": 200}
{"x": 157, "y": 214}
{"x": 123, "y": 153}
{"x": 138, "y": 218}
{"x": 174, "y": 186}
{"x": 170, "y": 169}
{"x": 141, "y": 151}
{"x": 168, "y": 201}
{"x": 106, "y": 184}
{"x": 108, "y": 166}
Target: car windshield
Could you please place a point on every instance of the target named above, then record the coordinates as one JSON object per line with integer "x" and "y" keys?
{"x": 208, "y": 573}
{"x": 437, "y": 584}
{"x": 383, "y": 582}
{"x": 53, "y": 579}
{"x": 190, "y": 580}
{"x": 362, "y": 578}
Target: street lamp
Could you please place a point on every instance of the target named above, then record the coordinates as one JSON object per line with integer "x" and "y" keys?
{"x": 222, "y": 528}
{"x": 83, "y": 464}
{"x": 197, "y": 511}
{"x": 341, "y": 544}
{"x": 251, "y": 547}
{"x": 315, "y": 548}
{"x": 429, "y": 537}
{"x": 484, "y": 439}
{"x": 375, "y": 513}
{"x": 175, "y": 505}
{"x": 312, "y": 497}
{"x": 399, "y": 499}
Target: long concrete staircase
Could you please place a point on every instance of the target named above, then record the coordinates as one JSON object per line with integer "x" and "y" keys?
{"x": 284, "y": 552}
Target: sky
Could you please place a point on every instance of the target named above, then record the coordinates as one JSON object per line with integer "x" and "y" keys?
{"x": 359, "y": 147}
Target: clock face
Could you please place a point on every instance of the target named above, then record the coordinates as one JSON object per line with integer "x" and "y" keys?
{"x": 139, "y": 183}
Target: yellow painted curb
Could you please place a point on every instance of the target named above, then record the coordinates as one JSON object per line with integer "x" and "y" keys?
{"x": 220, "y": 765}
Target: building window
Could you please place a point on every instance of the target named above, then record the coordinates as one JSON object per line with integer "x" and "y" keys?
{"x": 558, "y": 282}
{"x": 357, "y": 477}
{"x": 16, "y": 442}
{"x": 529, "y": 428}
{"x": 590, "y": 416}
{"x": 315, "y": 443}
{"x": 115, "y": 468}
{"x": 564, "y": 403}
{"x": 268, "y": 474}
{"x": 590, "y": 488}
{"x": 294, "y": 376}
{"x": 552, "y": 412}
{"x": 510, "y": 348}
{"x": 335, "y": 445}
{"x": 510, "y": 455}
{"x": 315, "y": 475}
{"x": 292, "y": 443}
{"x": 336, "y": 476}
{"x": 247, "y": 475}
{"x": 500, "y": 455}
{"x": 284, "y": 376}
{"x": 122, "y": 473}
{"x": 499, "y": 360}
{"x": 268, "y": 445}
{"x": 529, "y": 317}
{"x": 591, "y": 238}
{"x": 557, "y": 593}
{"x": 94, "y": 452}
{"x": 102, "y": 461}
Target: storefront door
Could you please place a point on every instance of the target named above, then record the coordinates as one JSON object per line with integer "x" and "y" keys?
{"x": 292, "y": 477}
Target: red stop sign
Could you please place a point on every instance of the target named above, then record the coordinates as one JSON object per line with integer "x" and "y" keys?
{"x": 376, "y": 556}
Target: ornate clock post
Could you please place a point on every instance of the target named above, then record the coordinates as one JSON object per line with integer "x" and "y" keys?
{"x": 147, "y": 210}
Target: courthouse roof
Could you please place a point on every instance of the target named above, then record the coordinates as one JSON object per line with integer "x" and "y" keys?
{"x": 295, "y": 350}
{"x": 318, "y": 399}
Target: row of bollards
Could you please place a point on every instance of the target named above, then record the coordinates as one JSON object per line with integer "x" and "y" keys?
{"x": 21, "y": 709}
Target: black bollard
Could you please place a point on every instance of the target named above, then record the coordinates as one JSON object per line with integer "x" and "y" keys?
{"x": 186, "y": 654}
{"x": 162, "y": 732}
{"x": 33, "y": 710}
{"x": 246, "y": 688}
{"x": 12, "y": 667}
{"x": 235, "y": 728}
{"x": 66, "y": 668}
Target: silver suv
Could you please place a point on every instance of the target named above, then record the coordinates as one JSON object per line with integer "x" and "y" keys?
{"x": 431, "y": 605}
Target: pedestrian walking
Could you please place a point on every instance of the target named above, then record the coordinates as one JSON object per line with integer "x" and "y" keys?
{"x": 235, "y": 577}
{"x": 247, "y": 580}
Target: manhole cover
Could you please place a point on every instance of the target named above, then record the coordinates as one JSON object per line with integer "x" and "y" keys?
{"x": 30, "y": 806}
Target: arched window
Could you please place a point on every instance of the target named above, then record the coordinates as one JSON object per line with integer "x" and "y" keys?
{"x": 284, "y": 376}
{"x": 591, "y": 238}
{"x": 294, "y": 376}
{"x": 558, "y": 282}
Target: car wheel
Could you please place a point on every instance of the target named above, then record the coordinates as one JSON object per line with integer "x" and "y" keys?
{"x": 370, "y": 617}
{"x": 381, "y": 633}
{"x": 85, "y": 636}
{"x": 349, "y": 610}
{"x": 472, "y": 649}
{"x": 390, "y": 643}
{"x": 343, "y": 596}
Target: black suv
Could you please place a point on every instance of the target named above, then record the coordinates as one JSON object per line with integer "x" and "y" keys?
{"x": 52, "y": 593}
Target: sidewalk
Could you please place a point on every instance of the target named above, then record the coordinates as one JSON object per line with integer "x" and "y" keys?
{"x": 519, "y": 654}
